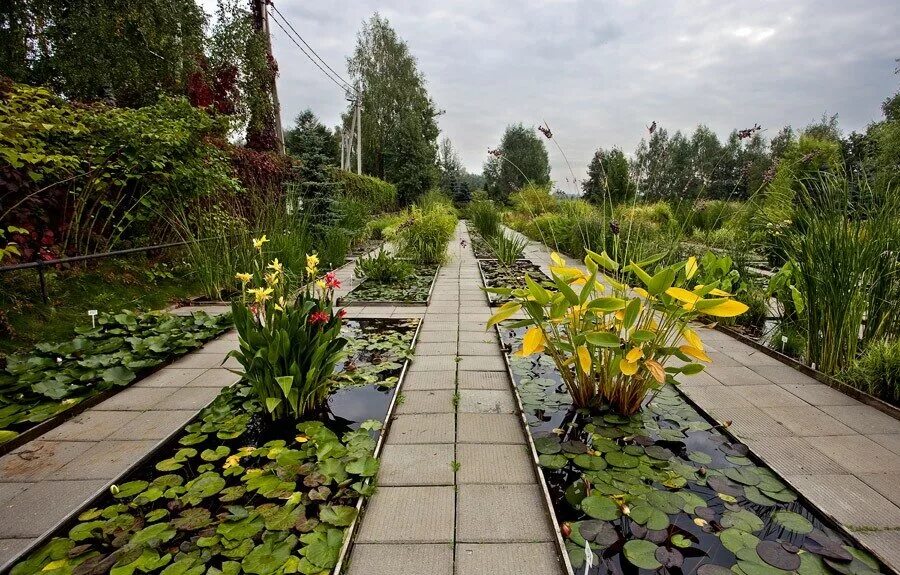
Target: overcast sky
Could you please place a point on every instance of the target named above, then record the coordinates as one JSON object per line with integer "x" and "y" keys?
{"x": 600, "y": 71}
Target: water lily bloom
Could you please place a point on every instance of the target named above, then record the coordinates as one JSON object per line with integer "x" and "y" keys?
{"x": 332, "y": 281}
{"x": 261, "y": 295}
{"x": 258, "y": 243}
{"x": 244, "y": 278}
{"x": 318, "y": 317}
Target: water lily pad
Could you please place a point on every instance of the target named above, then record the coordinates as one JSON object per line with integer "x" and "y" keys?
{"x": 600, "y": 507}
{"x": 680, "y": 541}
{"x": 589, "y": 462}
{"x": 270, "y": 556}
{"x": 599, "y": 532}
{"x": 658, "y": 452}
{"x": 338, "y": 515}
{"x": 130, "y": 489}
{"x": 828, "y": 547}
{"x": 203, "y": 486}
{"x": 743, "y": 520}
{"x": 722, "y": 485}
{"x": 641, "y": 553}
{"x": 734, "y": 540}
{"x": 754, "y": 495}
{"x": 742, "y": 475}
{"x": 776, "y": 555}
{"x": 622, "y": 460}
{"x": 574, "y": 447}
{"x": 192, "y": 519}
{"x": 793, "y": 522}
{"x": 700, "y": 457}
{"x": 214, "y": 454}
{"x": 553, "y": 461}
{"x": 713, "y": 569}
{"x": 669, "y": 558}
{"x": 547, "y": 445}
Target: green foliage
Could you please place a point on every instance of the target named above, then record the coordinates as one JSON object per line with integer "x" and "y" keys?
{"x": 425, "y": 233}
{"x": 288, "y": 349}
{"x": 56, "y": 376}
{"x": 377, "y": 195}
{"x": 523, "y": 161}
{"x": 609, "y": 180}
{"x": 132, "y": 52}
{"x": 507, "y": 248}
{"x": 485, "y": 217}
{"x": 383, "y": 268}
{"x": 533, "y": 200}
{"x": 383, "y": 226}
{"x": 877, "y": 371}
{"x": 399, "y": 119}
{"x": 412, "y": 288}
{"x": 314, "y": 145}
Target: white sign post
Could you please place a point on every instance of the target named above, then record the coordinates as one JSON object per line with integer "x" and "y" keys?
{"x": 93, "y": 314}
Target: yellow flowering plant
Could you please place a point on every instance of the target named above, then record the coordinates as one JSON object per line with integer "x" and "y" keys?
{"x": 611, "y": 340}
{"x": 289, "y": 344}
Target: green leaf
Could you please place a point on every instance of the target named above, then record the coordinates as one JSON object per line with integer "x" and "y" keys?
{"x": 337, "y": 515}
{"x": 602, "y": 339}
{"x": 793, "y": 522}
{"x": 600, "y": 507}
{"x": 641, "y": 553}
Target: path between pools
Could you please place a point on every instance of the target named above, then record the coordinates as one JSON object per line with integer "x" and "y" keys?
{"x": 842, "y": 455}
{"x": 457, "y": 491}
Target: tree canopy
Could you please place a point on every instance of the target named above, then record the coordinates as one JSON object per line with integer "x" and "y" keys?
{"x": 399, "y": 126}
{"x": 608, "y": 178}
{"x": 522, "y": 159}
{"x": 313, "y": 144}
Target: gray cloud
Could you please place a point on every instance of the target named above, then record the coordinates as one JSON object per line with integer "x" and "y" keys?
{"x": 600, "y": 71}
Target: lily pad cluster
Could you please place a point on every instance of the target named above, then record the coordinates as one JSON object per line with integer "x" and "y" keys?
{"x": 235, "y": 493}
{"x": 481, "y": 248}
{"x": 412, "y": 289}
{"x": 498, "y": 276}
{"x": 376, "y": 351}
{"x": 56, "y": 376}
{"x": 665, "y": 489}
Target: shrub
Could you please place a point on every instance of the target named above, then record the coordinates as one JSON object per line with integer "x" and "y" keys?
{"x": 708, "y": 215}
{"x": 424, "y": 234}
{"x": 288, "y": 349}
{"x": 877, "y": 372}
{"x": 507, "y": 248}
{"x": 484, "y": 217}
{"x": 378, "y": 195}
{"x": 383, "y": 226}
{"x": 435, "y": 199}
{"x": 533, "y": 200}
{"x": 383, "y": 268}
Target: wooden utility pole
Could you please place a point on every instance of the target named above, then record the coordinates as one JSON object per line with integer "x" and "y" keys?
{"x": 260, "y": 11}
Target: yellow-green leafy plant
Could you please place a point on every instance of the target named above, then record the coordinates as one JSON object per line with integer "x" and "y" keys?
{"x": 609, "y": 340}
{"x": 288, "y": 345}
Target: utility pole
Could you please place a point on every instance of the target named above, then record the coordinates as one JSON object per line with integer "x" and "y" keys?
{"x": 358, "y": 133}
{"x": 353, "y": 137}
{"x": 260, "y": 11}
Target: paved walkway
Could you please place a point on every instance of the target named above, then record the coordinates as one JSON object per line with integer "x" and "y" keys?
{"x": 49, "y": 479}
{"x": 457, "y": 491}
{"x": 842, "y": 455}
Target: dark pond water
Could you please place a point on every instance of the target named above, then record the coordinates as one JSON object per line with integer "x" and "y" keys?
{"x": 412, "y": 289}
{"x": 667, "y": 491}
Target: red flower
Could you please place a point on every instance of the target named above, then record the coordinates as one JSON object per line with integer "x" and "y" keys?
{"x": 319, "y": 317}
{"x": 343, "y": 313}
{"x": 331, "y": 281}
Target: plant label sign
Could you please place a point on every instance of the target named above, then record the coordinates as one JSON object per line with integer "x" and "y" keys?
{"x": 93, "y": 314}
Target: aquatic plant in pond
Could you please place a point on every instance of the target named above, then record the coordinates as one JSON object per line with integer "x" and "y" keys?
{"x": 382, "y": 268}
{"x": 613, "y": 348}
{"x": 55, "y": 377}
{"x": 414, "y": 288}
{"x": 288, "y": 348}
{"x": 235, "y": 493}
{"x": 498, "y": 276}
{"x": 666, "y": 489}
{"x": 507, "y": 248}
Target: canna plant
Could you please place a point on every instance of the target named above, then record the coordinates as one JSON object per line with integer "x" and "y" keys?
{"x": 610, "y": 341}
{"x": 289, "y": 346}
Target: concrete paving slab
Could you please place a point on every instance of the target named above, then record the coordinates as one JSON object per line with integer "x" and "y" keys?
{"x": 887, "y": 484}
{"x": 501, "y": 514}
{"x": 201, "y": 361}
{"x": 91, "y": 426}
{"x": 701, "y": 379}
{"x": 490, "y": 349}
{"x": 409, "y": 515}
{"x": 518, "y": 558}
{"x": 493, "y": 464}
{"x": 890, "y": 441}
{"x": 426, "y": 380}
{"x": 431, "y": 401}
{"x": 29, "y": 515}
{"x": 38, "y": 459}
{"x": 427, "y": 464}
{"x": 857, "y": 454}
{"x": 793, "y": 456}
{"x": 753, "y": 358}
{"x": 769, "y": 395}
{"x": 10, "y": 548}
{"x": 449, "y": 337}
{"x": 169, "y": 377}
{"x": 135, "y": 399}
{"x": 496, "y": 380}
{"x": 849, "y": 500}
{"x": 433, "y": 363}
{"x": 717, "y": 396}
{"x": 190, "y": 398}
{"x": 430, "y": 349}
{"x": 402, "y": 559}
{"x": 220, "y": 346}
{"x": 444, "y": 326}
{"x": 217, "y": 377}
{"x": 478, "y": 336}
{"x": 105, "y": 460}
{"x": 735, "y": 375}
{"x": 479, "y": 363}
{"x": 425, "y": 428}
{"x": 808, "y": 421}
{"x": 495, "y": 428}
{"x": 153, "y": 424}
{"x": 819, "y": 394}
{"x": 10, "y": 490}
{"x": 486, "y": 401}
{"x": 885, "y": 543}
{"x": 864, "y": 419}
{"x": 781, "y": 373}
{"x": 749, "y": 422}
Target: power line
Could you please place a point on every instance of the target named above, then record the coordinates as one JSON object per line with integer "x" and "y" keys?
{"x": 344, "y": 84}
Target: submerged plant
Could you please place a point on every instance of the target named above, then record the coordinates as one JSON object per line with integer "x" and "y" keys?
{"x": 614, "y": 347}
{"x": 288, "y": 348}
